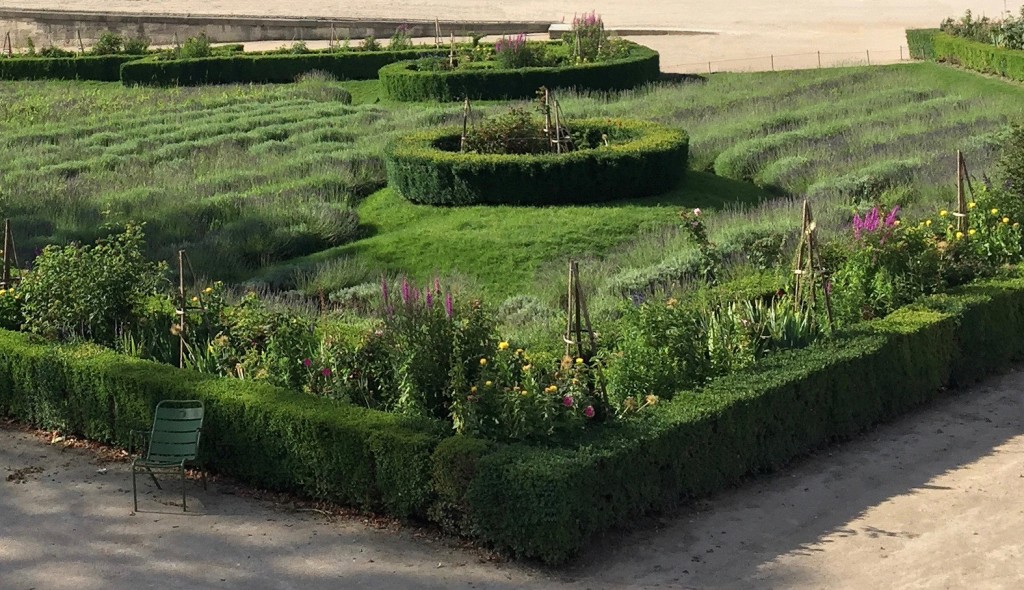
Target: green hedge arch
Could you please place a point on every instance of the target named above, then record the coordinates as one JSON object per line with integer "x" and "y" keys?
{"x": 643, "y": 159}
{"x": 403, "y": 82}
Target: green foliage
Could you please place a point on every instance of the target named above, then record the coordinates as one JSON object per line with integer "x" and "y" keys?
{"x": 108, "y": 44}
{"x": 889, "y": 266}
{"x": 401, "y": 40}
{"x": 409, "y": 82}
{"x": 647, "y": 160}
{"x": 104, "y": 68}
{"x": 514, "y": 132}
{"x": 259, "y": 68}
{"x": 548, "y": 502}
{"x": 1007, "y": 32}
{"x": 195, "y": 48}
{"x": 271, "y": 437}
{"x": 982, "y": 57}
{"x": 1011, "y": 169}
{"x": 89, "y": 292}
{"x": 370, "y": 43}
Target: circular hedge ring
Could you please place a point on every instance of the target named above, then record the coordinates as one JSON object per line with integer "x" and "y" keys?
{"x": 405, "y": 82}
{"x": 641, "y": 159}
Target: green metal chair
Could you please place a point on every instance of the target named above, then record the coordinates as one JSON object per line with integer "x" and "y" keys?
{"x": 173, "y": 442}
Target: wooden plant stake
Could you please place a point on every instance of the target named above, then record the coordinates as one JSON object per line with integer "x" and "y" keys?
{"x": 961, "y": 202}
{"x": 10, "y": 255}
{"x": 807, "y": 275}
{"x": 181, "y": 309}
{"x": 8, "y": 46}
{"x": 81, "y": 45}
{"x": 451, "y": 53}
{"x": 437, "y": 33}
{"x": 578, "y": 319}
{"x": 467, "y": 112}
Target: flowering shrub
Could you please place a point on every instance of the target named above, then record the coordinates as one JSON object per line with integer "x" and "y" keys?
{"x": 401, "y": 39}
{"x": 516, "y": 397}
{"x": 888, "y": 265}
{"x": 11, "y": 316}
{"x": 512, "y": 132}
{"x": 514, "y": 52}
{"x": 1007, "y": 32}
{"x": 95, "y": 292}
{"x": 990, "y": 239}
{"x": 588, "y": 37}
{"x": 710, "y": 258}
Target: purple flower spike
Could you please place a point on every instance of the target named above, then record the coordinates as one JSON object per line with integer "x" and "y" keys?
{"x": 384, "y": 288}
{"x": 428, "y": 297}
{"x": 448, "y": 305}
{"x": 406, "y": 291}
{"x": 437, "y": 285}
{"x": 890, "y": 219}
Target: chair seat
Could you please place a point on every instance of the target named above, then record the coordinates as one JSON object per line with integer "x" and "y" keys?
{"x": 154, "y": 463}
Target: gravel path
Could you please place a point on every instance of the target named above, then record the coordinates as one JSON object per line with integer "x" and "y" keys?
{"x": 930, "y": 501}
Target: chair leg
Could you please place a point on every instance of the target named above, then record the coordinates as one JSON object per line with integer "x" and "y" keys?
{"x": 184, "y": 506}
{"x": 153, "y": 475}
{"x": 135, "y": 491}
{"x": 203, "y": 472}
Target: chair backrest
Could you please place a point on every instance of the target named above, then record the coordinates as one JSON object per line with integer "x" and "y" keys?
{"x": 176, "y": 430}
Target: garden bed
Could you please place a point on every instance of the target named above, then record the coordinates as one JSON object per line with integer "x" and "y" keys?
{"x": 935, "y": 45}
{"x": 641, "y": 159}
{"x": 411, "y": 81}
{"x": 536, "y": 501}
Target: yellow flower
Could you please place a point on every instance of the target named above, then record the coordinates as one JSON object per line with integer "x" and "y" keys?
{"x": 579, "y": 361}
{"x": 488, "y": 383}
{"x": 672, "y": 302}
{"x": 472, "y": 389}
{"x": 943, "y": 213}
{"x": 959, "y": 235}
{"x": 208, "y": 290}
{"x": 3, "y": 291}
{"x": 928, "y": 223}
{"x": 195, "y": 300}
{"x": 971, "y": 232}
{"x": 551, "y": 389}
{"x": 519, "y": 351}
{"x": 995, "y": 211}
{"x": 527, "y": 367}
{"x": 897, "y": 222}
{"x": 483, "y": 362}
{"x": 972, "y": 205}
{"x": 651, "y": 399}
{"x": 503, "y": 345}
{"x": 1006, "y": 220}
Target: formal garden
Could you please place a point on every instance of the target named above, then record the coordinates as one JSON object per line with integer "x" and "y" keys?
{"x": 524, "y": 321}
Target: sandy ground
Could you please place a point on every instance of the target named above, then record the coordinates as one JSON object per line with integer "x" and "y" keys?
{"x": 748, "y": 31}
{"x": 930, "y": 501}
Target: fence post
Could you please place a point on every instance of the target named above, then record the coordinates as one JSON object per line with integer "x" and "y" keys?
{"x": 773, "y": 62}
{"x": 901, "y": 53}
{"x": 819, "y": 59}
{"x": 868, "y": 52}
{"x": 709, "y": 67}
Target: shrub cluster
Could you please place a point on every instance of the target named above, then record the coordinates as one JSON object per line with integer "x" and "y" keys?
{"x": 258, "y": 69}
{"x": 935, "y": 45}
{"x": 414, "y": 81}
{"x": 1007, "y": 32}
{"x": 641, "y": 159}
{"x": 103, "y": 68}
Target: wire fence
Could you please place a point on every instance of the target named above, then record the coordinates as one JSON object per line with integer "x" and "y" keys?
{"x": 793, "y": 61}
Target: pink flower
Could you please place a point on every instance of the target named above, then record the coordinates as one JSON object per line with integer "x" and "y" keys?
{"x": 567, "y": 401}
{"x": 326, "y": 372}
{"x": 696, "y": 211}
{"x": 307, "y": 362}
{"x": 588, "y": 411}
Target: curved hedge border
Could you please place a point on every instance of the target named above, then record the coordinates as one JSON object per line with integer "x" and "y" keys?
{"x": 103, "y": 68}
{"x": 261, "y": 68}
{"x": 652, "y": 160}
{"x": 402, "y": 81}
{"x": 934, "y": 45}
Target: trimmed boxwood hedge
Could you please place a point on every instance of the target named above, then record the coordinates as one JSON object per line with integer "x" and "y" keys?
{"x": 934, "y": 45}
{"x": 650, "y": 159}
{"x": 547, "y": 502}
{"x": 104, "y": 68}
{"x": 271, "y": 437}
{"x": 543, "y": 502}
{"x": 261, "y": 68}
{"x": 403, "y": 81}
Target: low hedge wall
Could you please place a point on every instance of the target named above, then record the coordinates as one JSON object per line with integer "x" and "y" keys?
{"x": 271, "y": 437}
{"x": 647, "y": 159}
{"x": 934, "y": 45}
{"x": 547, "y": 502}
{"x": 104, "y": 68}
{"x": 402, "y": 81}
{"x": 260, "y": 69}
{"x": 536, "y": 501}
